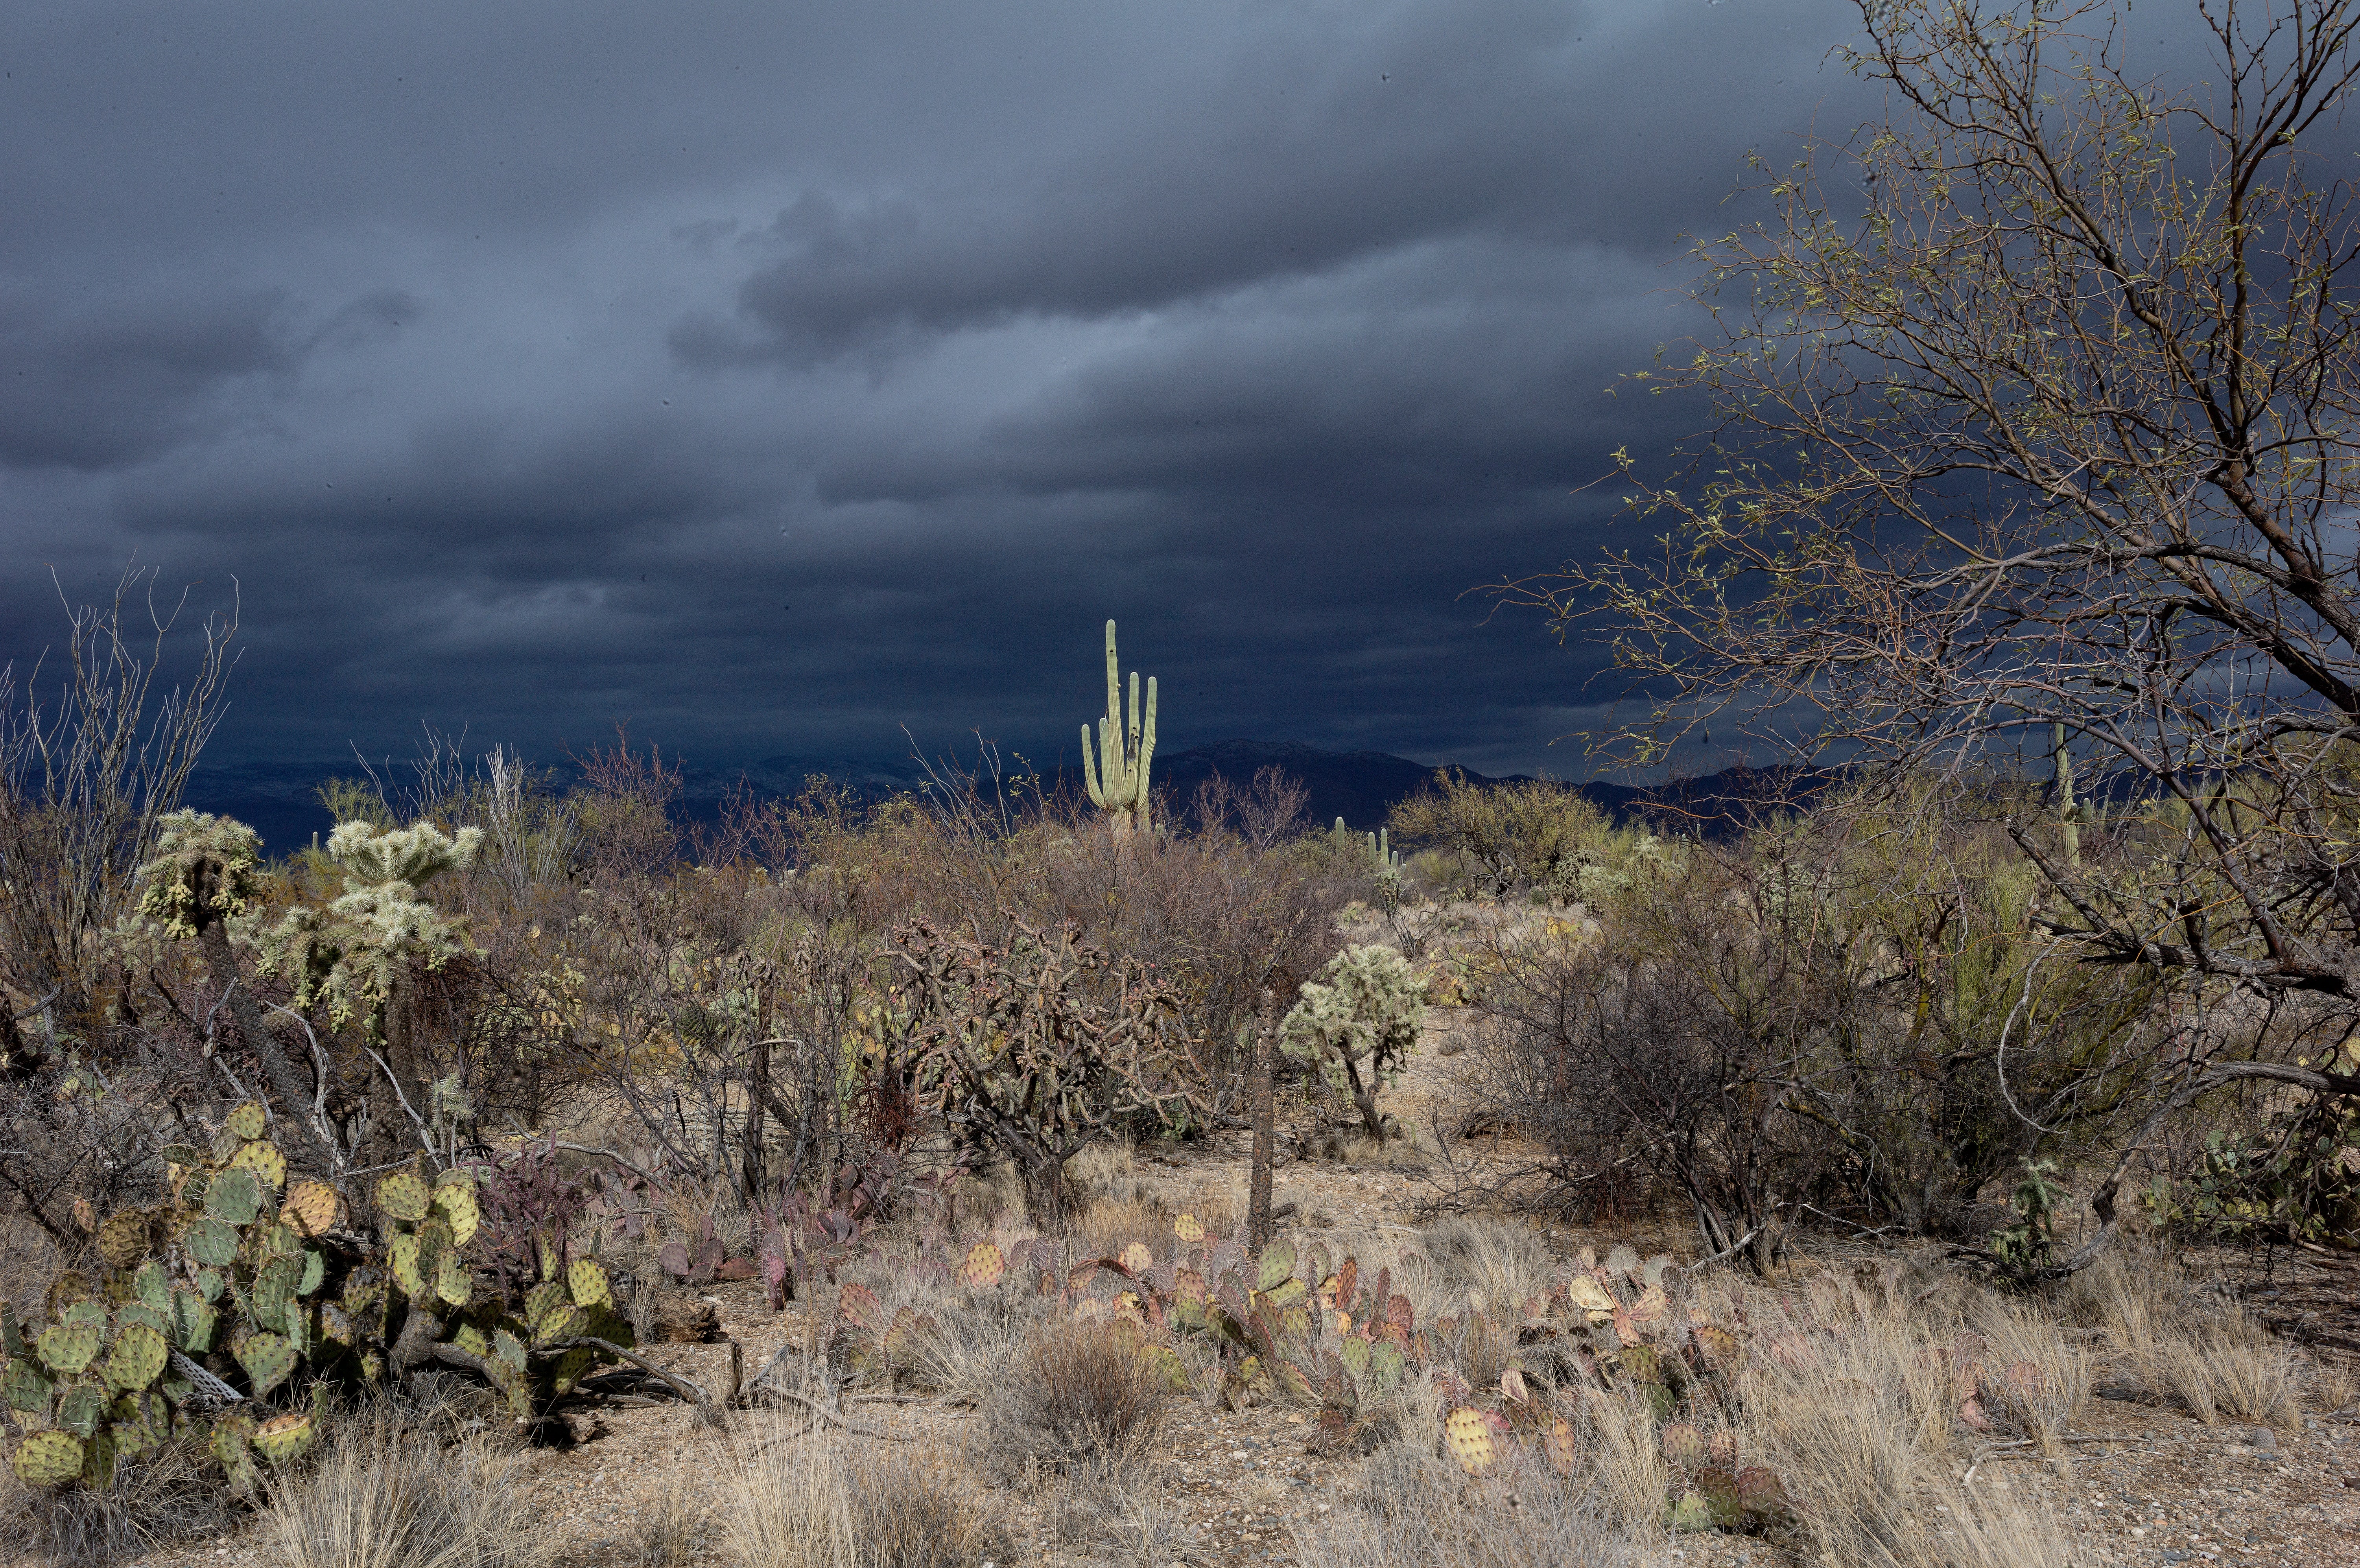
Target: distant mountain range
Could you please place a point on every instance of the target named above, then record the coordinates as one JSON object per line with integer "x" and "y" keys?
{"x": 280, "y": 800}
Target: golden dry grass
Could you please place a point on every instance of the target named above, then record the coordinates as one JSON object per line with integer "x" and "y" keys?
{"x": 816, "y": 1503}
{"x": 383, "y": 1494}
{"x": 2206, "y": 1355}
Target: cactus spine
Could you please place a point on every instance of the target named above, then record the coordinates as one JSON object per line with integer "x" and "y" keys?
{"x": 1117, "y": 778}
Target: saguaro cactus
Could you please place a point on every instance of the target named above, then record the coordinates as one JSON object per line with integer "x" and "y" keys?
{"x": 2069, "y": 814}
{"x": 1117, "y": 779}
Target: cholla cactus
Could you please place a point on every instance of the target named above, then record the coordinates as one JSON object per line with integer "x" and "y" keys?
{"x": 1360, "y": 1020}
{"x": 353, "y": 954}
{"x": 202, "y": 872}
{"x": 414, "y": 855}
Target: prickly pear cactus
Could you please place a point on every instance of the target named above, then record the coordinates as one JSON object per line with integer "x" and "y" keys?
{"x": 985, "y": 1267}
{"x": 1473, "y": 1438}
{"x": 218, "y": 1307}
{"x": 118, "y": 1370}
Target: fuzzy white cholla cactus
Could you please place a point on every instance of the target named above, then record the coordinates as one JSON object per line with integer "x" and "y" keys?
{"x": 372, "y": 855}
{"x": 352, "y": 954}
{"x": 1360, "y": 1024}
{"x": 204, "y": 872}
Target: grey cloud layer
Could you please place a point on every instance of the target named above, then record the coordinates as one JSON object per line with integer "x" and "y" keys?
{"x": 774, "y": 377}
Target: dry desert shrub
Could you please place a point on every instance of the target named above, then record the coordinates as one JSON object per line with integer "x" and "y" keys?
{"x": 155, "y": 1501}
{"x": 1078, "y": 1399}
{"x": 384, "y": 1494}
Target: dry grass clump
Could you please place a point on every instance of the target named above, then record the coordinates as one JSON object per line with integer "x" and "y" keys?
{"x": 792, "y": 1507}
{"x": 820, "y": 1504}
{"x": 2208, "y": 1357}
{"x": 1220, "y": 1209}
{"x": 1081, "y": 1398}
{"x": 155, "y": 1501}
{"x": 2334, "y": 1386}
{"x": 1415, "y": 1510}
{"x": 2034, "y": 1380}
{"x": 1112, "y": 1220}
{"x": 960, "y": 1342}
{"x": 1858, "y": 1415}
{"x": 2234, "y": 1370}
{"x": 908, "y": 1512}
{"x": 1487, "y": 1344}
{"x": 1502, "y": 1261}
{"x": 1626, "y": 1458}
{"x": 384, "y": 1494}
{"x": 672, "y": 1531}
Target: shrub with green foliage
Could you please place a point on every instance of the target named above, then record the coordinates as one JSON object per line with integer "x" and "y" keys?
{"x": 1533, "y": 836}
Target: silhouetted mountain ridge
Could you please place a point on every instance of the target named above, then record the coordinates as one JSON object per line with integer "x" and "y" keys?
{"x": 280, "y": 800}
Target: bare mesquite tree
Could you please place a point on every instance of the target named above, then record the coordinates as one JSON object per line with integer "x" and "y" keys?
{"x": 2035, "y": 410}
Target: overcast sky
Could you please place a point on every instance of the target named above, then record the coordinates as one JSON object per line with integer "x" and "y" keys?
{"x": 774, "y": 374}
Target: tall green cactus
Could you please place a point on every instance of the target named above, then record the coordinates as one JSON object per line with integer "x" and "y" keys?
{"x": 2069, "y": 814}
{"x": 1118, "y": 777}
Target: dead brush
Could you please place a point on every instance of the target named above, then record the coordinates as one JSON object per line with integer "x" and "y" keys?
{"x": 1079, "y": 1397}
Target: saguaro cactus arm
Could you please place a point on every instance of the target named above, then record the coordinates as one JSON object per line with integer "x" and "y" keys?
{"x": 1117, "y": 778}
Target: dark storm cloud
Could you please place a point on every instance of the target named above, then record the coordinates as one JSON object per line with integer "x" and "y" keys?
{"x": 96, "y": 384}
{"x": 1315, "y": 153}
{"x": 774, "y": 377}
